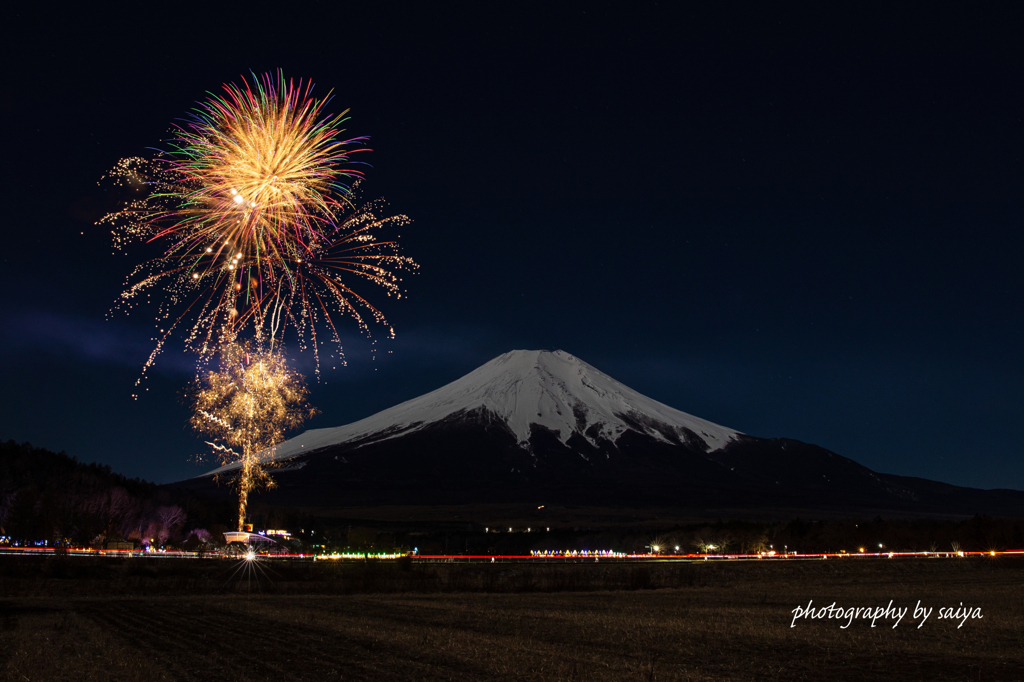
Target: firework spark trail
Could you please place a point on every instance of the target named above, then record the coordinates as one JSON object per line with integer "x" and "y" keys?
{"x": 249, "y": 404}
{"x": 253, "y": 208}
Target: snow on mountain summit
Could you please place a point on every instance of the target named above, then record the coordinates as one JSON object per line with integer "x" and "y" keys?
{"x": 552, "y": 389}
{"x": 564, "y": 394}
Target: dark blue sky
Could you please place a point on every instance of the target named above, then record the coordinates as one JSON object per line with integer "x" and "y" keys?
{"x": 793, "y": 222}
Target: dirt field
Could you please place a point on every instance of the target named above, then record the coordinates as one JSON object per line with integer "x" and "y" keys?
{"x": 507, "y": 622}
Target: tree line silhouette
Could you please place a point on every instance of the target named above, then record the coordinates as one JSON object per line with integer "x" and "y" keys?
{"x": 51, "y": 497}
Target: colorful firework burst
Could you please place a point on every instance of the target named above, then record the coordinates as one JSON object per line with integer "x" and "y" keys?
{"x": 252, "y": 209}
{"x": 248, "y": 404}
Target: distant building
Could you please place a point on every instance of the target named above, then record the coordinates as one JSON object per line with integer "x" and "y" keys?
{"x": 278, "y": 533}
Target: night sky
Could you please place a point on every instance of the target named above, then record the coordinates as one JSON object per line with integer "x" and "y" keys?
{"x": 793, "y": 222}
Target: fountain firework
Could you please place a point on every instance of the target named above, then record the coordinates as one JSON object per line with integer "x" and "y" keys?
{"x": 248, "y": 404}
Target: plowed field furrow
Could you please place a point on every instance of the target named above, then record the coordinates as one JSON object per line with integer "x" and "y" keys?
{"x": 550, "y": 632}
{"x": 371, "y": 638}
{"x": 445, "y": 645}
{"x": 185, "y": 655}
{"x": 224, "y": 624}
{"x": 225, "y": 646}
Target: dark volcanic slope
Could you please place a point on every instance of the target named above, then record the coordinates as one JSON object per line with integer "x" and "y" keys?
{"x": 472, "y": 458}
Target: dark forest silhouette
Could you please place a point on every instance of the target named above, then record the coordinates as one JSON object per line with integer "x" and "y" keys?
{"x": 52, "y": 497}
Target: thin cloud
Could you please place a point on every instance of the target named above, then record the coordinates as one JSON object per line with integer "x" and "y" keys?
{"x": 97, "y": 341}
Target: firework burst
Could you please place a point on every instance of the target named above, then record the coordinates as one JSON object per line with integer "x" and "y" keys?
{"x": 248, "y": 405}
{"x": 252, "y": 208}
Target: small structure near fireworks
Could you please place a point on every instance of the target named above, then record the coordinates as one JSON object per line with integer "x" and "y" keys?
{"x": 248, "y": 404}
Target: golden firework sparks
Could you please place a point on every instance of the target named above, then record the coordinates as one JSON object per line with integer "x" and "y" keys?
{"x": 248, "y": 405}
{"x": 252, "y": 208}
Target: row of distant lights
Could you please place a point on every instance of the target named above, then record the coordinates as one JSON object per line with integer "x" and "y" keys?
{"x": 358, "y": 555}
{"x": 510, "y": 530}
{"x": 7, "y": 543}
{"x": 576, "y": 553}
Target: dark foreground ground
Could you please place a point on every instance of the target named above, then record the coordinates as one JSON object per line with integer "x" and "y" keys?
{"x": 143, "y": 619}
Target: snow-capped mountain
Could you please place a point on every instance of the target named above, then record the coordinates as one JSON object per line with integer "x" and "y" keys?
{"x": 545, "y": 427}
{"x": 527, "y": 390}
